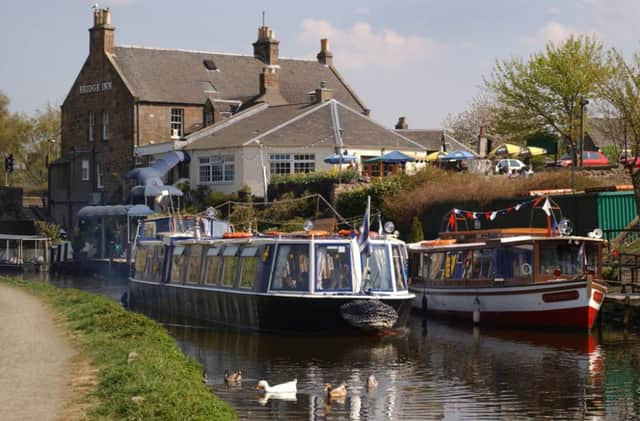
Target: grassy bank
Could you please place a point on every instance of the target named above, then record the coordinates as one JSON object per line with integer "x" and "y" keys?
{"x": 157, "y": 382}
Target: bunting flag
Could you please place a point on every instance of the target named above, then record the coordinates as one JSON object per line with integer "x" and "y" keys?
{"x": 547, "y": 207}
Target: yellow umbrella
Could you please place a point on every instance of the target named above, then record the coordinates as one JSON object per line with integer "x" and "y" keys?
{"x": 433, "y": 156}
{"x": 506, "y": 149}
{"x": 527, "y": 151}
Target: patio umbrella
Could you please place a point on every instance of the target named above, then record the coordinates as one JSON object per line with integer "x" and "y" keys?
{"x": 395, "y": 157}
{"x": 434, "y": 156}
{"x": 139, "y": 210}
{"x": 528, "y": 151}
{"x": 337, "y": 158}
{"x": 506, "y": 149}
{"x": 457, "y": 156}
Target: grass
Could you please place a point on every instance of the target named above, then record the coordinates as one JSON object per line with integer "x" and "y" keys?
{"x": 170, "y": 384}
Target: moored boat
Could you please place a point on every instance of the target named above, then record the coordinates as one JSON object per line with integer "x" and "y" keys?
{"x": 301, "y": 282}
{"x": 529, "y": 277}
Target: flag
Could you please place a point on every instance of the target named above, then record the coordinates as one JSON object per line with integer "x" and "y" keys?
{"x": 379, "y": 224}
{"x": 582, "y": 257}
{"x": 547, "y": 207}
{"x": 363, "y": 237}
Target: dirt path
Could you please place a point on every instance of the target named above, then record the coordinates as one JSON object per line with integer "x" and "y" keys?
{"x": 35, "y": 359}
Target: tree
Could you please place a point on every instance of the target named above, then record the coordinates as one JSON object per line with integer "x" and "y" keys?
{"x": 416, "y": 232}
{"x": 466, "y": 125}
{"x": 545, "y": 93}
{"x": 621, "y": 109}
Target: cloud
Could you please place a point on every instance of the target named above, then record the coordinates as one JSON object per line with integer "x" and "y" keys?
{"x": 360, "y": 46}
{"x": 554, "y": 32}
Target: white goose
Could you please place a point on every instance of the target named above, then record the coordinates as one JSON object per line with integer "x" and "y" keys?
{"x": 288, "y": 387}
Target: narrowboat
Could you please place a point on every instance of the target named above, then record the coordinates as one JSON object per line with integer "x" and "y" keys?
{"x": 24, "y": 253}
{"x": 309, "y": 281}
{"x": 525, "y": 277}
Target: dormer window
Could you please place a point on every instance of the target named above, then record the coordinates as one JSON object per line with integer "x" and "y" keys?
{"x": 177, "y": 122}
{"x": 208, "y": 116}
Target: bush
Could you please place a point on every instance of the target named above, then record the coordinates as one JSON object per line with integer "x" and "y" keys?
{"x": 51, "y": 231}
{"x": 332, "y": 176}
{"x": 416, "y": 233}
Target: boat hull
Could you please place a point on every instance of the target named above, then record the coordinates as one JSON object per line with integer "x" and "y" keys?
{"x": 245, "y": 309}
{"x": 554, "y": 304}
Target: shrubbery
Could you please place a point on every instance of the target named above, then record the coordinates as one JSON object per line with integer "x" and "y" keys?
{"x": 332, "y": 176}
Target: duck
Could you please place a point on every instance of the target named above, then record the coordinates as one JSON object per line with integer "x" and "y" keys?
{"x": 288, "y": 387}
{"x": 372, "y": 383}
{"x": 335, "y": 392}
{"x": 232, "y": 377}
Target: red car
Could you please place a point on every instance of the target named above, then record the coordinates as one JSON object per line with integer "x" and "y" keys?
{"x": 629, "y": 161}
{"x": 589, "y": 159}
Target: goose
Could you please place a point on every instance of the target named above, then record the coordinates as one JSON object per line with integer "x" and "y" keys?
{"x": 288, "y": 387}
{"x": 337, "y": 392}
{"x": 232, "y": 377}
{"x": 372, "y": 383}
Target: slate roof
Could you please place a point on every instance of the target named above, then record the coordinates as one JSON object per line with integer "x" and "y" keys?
{"x": 180, "y": 76}
{"x": 300, "y": 125}
{"x": 432, "y": 140}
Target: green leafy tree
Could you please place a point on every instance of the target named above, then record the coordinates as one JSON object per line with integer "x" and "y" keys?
{"x": 416, "y": 232}
{"x": 544, "y": 94}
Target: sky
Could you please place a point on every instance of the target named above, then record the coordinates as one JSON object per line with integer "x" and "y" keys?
{"x": 422, "y": 59}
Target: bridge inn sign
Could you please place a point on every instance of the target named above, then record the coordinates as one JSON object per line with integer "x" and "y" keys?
{"x": 95, "y": 87}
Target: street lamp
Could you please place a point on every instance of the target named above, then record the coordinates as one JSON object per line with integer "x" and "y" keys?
{"x": 583, "y": 104}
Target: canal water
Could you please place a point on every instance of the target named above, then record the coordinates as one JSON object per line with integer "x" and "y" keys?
{"x": 432, "y": 371}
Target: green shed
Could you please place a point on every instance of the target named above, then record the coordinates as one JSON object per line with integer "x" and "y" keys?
{"x": 615, "y": 211}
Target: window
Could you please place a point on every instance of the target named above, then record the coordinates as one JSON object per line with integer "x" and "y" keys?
{"x": 99, "y": 174}
{"x": 217, "y": 169}
{"x": 214, "y": 263}
{"x": 177, "y": 264}
{"x": 291, "y": 268}
{"x": 92, "y": 125}
{"x": 378, "y": 276}
{"x": 177, "y": 122}
{"x": 398, "y": 267}
{"x": 155, "y": 265}
{"x": 229, "y": 265}
{"x": 208, "y": 116}
{"x": 195, "y": 259}
{"x": 105, "y": 125}
{"x": 248, "y": 267}
{"x": 333, "y": 265}
{"x": 140, "y": 262}
{"x": 85, "y": 170}
{"x": 283, "y": 163}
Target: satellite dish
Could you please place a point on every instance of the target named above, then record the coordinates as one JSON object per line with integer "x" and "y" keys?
{"x": 565, "y": 227}
{"x": 389, "y": 227}
{"x": 307, "y": 225}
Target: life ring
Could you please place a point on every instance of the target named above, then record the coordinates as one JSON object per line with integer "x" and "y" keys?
{"x": 526, "y": 269}
{"x": 438, "y": 242}
{"x": 274, "y": 233}
{"x": 318, "y": 233}
{"x": 237, "y": 234}
{"x": 347, "y": 233}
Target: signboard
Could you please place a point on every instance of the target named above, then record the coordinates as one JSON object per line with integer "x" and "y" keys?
{"x": 95, "y": 87}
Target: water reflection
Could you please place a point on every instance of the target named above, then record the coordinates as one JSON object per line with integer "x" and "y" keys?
{"x": 434, "y": 371}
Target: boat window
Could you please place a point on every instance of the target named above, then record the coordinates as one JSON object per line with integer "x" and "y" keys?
{"x": 333, "y": 266}
{"x": 482, "y": 266}
{"x": 195, "y": 263}
{"x": 177, "y": 264}
{"x": 141, "y": 261}
{"x": 291, "y": 268}
{"x": 399, "y": 268}
{"x": 229, "y": 265}
{"x": 514, "y": 261}
{"x": 377, "y": 273}
{"x": 248, "y": 267}
{"x": 592, "y": 257}
{"x": 567, "y": 256}
{"x": 214, "y": 263}
{"x": 154, "y": 267}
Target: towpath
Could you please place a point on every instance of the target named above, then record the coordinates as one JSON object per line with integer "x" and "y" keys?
{"x": 35, "y": 359}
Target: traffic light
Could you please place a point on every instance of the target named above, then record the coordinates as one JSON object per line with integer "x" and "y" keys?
{"x": 8, "y": 163}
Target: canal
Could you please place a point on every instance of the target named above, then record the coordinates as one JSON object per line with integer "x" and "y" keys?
{"x": 432, "y": 371}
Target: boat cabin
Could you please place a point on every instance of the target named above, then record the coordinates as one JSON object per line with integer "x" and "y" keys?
{"x": 508, "y": 256}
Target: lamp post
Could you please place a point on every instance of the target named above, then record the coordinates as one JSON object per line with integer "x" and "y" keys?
{"x": 49, "y": 142}
{"x": 583, "y": 104}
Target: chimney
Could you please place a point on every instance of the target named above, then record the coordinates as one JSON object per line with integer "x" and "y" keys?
{"x": 325, "y": 56}
{"x": 402, "y": 124}
{"x": 483, "y": 143}
{"x": 266, "y": 47}
{"x": 101, "y": 38}
{"x": 322, "y": 93}
{"x": 270, "y": 86}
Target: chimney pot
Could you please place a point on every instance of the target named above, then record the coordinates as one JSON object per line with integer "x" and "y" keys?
{"x": 266, "y": 47}
{"x": 402, "y": 124}
{"x": 325, "y": 56}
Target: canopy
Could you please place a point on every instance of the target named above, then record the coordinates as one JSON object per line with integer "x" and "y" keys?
{"x": 337, "y": 158}
{"x": 506, "y": 149}
{"x": 395, "y": 157}
{"x": 434, "y": 156}
{"x": 153, "y": 190}
{"x": 527, "y": 151}
{"x": 139, "y": 210}
{"x": 457, "y": 156}
{"x": 106, "y": 210}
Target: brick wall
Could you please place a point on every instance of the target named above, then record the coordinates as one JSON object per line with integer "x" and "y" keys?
{"x": 155, "y": 121}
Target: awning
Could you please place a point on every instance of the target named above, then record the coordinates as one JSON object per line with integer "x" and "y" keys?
{"x": 140, "y": 210}
{"x": 395, "y": 157}
{"x": 337, "y": 158}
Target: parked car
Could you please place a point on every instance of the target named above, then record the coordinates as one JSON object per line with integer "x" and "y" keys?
{"x": 630, "y": 160}
{"x": 589, "y": 159}
{"x": 506, "y": 166}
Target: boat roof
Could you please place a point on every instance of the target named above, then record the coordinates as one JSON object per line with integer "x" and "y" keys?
{"x": 22, "y": 237}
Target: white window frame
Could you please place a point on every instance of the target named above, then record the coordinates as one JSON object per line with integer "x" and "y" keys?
{"x": 177, "y": 121}
{"x": 85, "y": 174}
{"x": 92, "y": 125}
{"x": 105, "y": 126}
{"x": 99, "y": 174}
{"x": 291, "y": 163}
{"x": 216, "y": 169}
